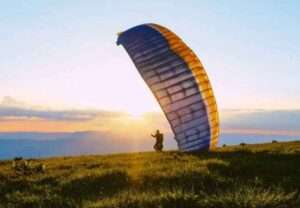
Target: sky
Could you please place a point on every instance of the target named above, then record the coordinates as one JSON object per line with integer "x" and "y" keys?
{"x": 61, "y": 56}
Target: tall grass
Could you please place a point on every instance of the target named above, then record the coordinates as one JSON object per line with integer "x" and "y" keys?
{"x": 250, "y": 176}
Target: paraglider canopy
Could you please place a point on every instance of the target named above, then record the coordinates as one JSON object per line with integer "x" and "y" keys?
{"x": 179, "y": 82}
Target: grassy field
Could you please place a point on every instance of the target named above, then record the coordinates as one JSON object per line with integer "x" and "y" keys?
{"x": 264, "y": 175}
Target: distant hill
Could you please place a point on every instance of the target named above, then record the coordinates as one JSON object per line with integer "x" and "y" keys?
{"x": 261, "y": 175}
{"x": 35, "y": 144}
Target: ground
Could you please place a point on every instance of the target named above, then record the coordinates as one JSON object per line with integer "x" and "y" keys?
{"x": 262, "y": 175}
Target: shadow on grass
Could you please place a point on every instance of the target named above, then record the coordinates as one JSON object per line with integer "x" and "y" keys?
{"x": 50, "y": 192}
{"x": 242, "y": 168}
{"x": 96, "y": 186}
{"x": 262, "y": 168}
{"x": 189, "y": 181}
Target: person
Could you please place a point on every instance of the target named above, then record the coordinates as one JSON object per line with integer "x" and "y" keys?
{"x": 158, "y": 146}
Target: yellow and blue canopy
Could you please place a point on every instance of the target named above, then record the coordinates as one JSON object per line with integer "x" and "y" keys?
{"x": 179, "y": 82}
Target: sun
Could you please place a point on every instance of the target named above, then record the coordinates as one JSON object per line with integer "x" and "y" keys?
{"x": 138, "y": 109}
{"x": 136, "y": 114}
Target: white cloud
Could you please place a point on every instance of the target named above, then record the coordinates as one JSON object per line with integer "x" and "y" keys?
{"x": 8, "y": 101}
{"x": 288, "y": 120}
{"x": 11, "y": 108}
{"x": 261, "y": 119}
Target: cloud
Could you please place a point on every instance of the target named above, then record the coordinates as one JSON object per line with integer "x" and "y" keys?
{"x": 278, "y": 121}
{"x": 11, "y": 109}
{"x": 8, "y": 101}
{"x": 18, "y": 117}
{"x": 65, "y": 115}
{"x": 261, "y": 119}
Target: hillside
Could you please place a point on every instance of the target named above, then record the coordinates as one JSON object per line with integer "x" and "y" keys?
{"x": 262, "y": 175}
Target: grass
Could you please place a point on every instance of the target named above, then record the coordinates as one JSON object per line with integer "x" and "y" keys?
{"x": 262, "y": 176}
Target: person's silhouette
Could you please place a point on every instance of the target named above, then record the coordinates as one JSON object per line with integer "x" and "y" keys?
{"x": 158, "y": 146}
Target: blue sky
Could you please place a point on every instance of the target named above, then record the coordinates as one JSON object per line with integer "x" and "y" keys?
{"x": 62, "y": 54}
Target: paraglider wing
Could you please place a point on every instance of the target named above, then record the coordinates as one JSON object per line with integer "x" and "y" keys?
{"x": 179, "y": 82}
